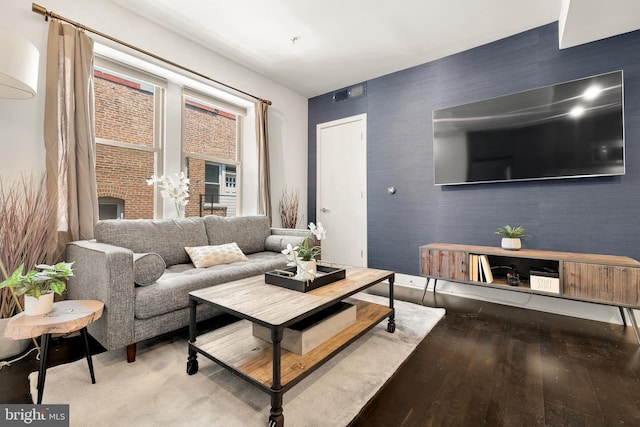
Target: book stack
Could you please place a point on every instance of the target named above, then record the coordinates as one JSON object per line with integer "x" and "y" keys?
{"x": 479, "y": 269}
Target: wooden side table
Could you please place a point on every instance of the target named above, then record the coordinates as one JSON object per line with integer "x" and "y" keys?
{"x": 66, "y": 317}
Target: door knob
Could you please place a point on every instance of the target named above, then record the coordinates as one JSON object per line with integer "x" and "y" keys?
{"x": 325, "y": 210}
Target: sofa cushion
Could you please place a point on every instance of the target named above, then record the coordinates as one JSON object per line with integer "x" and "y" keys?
{"x": 208, "y": 256}
{"x": 250, "y": 232}
{"x": 171, "y": 291}
{"x": 147, "y": 268}
{"x": 167, "y": 238}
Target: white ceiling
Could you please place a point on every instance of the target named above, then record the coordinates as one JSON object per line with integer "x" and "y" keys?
{"x": 343, "y": 42}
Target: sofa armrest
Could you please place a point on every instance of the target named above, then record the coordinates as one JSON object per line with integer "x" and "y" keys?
{"x": 105, "y": 273}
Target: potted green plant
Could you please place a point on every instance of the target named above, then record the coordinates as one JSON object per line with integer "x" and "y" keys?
{"x": 39, "y": 285}
{"x": 511, "y": 237}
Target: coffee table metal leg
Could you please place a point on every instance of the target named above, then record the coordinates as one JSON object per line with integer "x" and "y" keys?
{"x": 391, "y": 326}
{"x": 276, "y": 418}
{"x": 192, "y": 357}
{"x": 87, "y": 353}
{"x": 42, "y": 371}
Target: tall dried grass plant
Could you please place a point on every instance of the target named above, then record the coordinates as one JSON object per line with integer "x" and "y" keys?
{"x": 24, "y": 235}
{"x": 289, "y": 202}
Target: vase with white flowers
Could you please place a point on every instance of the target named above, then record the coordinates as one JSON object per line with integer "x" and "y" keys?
{"x": 176, "y": 192}
{"x": 304, "y": 257}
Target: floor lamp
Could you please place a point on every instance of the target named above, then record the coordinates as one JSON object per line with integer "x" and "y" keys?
{"x": 18, "y": 66}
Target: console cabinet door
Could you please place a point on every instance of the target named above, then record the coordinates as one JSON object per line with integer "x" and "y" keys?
{"x": 602, "y": 283}
{"x": 444, "y": 264}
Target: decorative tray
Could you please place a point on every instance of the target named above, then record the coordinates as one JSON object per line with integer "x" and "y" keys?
{"x": 285, "y": 278}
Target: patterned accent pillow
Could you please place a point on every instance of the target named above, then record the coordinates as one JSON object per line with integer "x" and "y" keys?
{"x": 208, "y": 256}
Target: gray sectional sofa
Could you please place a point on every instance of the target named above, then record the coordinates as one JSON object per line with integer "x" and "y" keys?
{"x": 142, "y": 273}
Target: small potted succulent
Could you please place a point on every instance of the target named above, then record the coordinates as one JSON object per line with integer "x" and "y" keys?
{"x": 511, "y": 237}
{"x": 39, "y": 285}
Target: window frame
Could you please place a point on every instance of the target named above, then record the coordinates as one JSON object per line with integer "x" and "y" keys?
{"x": 169, "y": 153}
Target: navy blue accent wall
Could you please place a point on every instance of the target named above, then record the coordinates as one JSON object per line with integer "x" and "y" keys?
{"x": 599, "y": 215}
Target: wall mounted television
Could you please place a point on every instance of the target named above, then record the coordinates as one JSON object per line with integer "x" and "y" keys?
{"x": 567, "y": 130}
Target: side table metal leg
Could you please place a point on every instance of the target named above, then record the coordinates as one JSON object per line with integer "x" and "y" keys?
{"x": 87, "y": 353}
{"x": 633, "y": 323}
{"x": 42, "y": 370}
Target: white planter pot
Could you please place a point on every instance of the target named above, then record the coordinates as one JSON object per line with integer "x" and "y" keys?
{"x": 306, "y": 270}
{"x": 38, "y": 306}
{"x": 10, "y": 348}
{"x": 511, "y": 244}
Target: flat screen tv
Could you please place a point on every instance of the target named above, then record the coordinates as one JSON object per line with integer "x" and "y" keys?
{"x": 567, "y": 130}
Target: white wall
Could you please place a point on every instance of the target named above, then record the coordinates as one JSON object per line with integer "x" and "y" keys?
{"x": 21, "y": 122}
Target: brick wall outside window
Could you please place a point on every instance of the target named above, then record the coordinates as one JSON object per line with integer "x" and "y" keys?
{"x": 125, "y": 113}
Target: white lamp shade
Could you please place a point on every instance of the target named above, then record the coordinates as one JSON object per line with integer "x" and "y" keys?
{"x": 18, "y": 67}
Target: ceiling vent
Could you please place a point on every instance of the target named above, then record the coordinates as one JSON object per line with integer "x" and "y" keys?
{"x": 350, "y": 93}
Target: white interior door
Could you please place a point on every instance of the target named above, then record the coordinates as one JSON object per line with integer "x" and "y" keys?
{"x": 341, "y": 200}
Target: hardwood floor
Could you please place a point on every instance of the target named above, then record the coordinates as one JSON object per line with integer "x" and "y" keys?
{"x": 483, "y": 364}
{"x": 494, "y": 365}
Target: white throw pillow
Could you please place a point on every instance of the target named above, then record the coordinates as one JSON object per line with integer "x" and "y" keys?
{"x": 208, "y": 256}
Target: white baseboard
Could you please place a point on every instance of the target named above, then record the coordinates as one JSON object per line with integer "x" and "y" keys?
{"x": 584, "y": 310}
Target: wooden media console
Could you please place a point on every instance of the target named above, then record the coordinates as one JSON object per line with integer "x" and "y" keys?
{"x": 603, "y": 279}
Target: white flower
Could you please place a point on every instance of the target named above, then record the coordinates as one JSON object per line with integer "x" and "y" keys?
{"x": 319, "y": 231}
{"x": 177, "y": 193}
{"x": 291, "y": 253}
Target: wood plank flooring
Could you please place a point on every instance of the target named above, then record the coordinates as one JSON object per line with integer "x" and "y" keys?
{"x": 494, "y": 365}
{"x": 484, "y": 364}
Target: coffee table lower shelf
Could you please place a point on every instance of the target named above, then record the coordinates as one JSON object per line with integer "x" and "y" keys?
{"x": 235, "y": 348}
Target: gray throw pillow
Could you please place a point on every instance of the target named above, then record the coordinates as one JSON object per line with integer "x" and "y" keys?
{"x": 278, "y": 242}
{"x": 147, "y": 268}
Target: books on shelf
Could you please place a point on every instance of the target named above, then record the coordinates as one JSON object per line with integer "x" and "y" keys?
{"x": 486, "y": 268}
{"x": 479, "y": 269}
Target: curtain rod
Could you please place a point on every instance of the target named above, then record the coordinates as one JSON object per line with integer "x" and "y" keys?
{"x": 48, "y": 14}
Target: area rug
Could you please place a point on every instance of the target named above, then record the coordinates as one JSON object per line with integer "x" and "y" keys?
{"x": 156, "y": 390}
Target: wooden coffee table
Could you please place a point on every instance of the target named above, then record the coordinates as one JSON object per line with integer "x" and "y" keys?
{"x": 266, "y": 365}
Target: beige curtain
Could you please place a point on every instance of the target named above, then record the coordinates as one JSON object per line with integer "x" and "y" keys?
{"x": 69, "y": 135}
{"x": 264, "y": 183}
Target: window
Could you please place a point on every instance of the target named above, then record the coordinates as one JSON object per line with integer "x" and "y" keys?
{"x": 133, "y": 98}
{"x": 128, "y": 108}
{"x": 110, "y": 208}
{"x": 210, "y": 145}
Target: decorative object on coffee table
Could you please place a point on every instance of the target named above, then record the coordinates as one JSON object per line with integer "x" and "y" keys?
{"x": 66, "y": 317}
{"x": 304, "y": 257}
{"x": 287, "y": 278}
{"x": 511, "y": 237}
